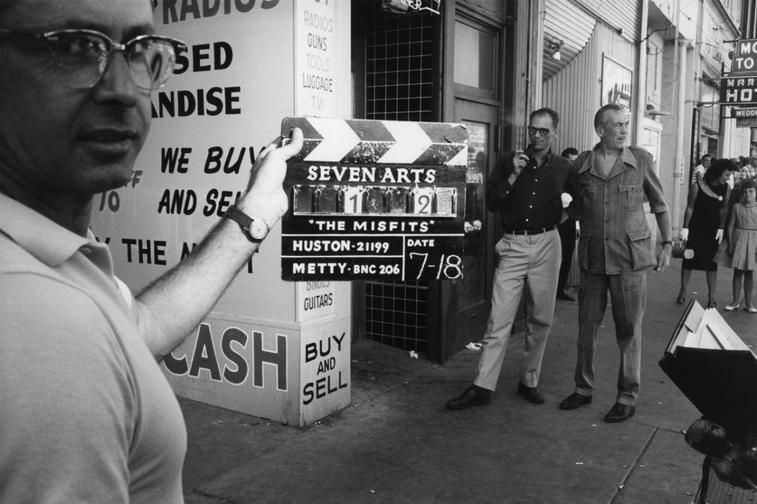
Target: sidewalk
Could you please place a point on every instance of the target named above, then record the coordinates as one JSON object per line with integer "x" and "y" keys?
{"x": 397, "y": 444}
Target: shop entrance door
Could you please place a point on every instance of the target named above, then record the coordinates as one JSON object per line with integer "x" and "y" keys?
{"x": 467, "y": 300}
{"x": 404, "y": 58}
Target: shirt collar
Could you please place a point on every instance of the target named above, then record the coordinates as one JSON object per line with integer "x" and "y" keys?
{"x": 46, "y": 240}
{"x": 626, "y": 155}
{"x": 547, "y": 159}
{"x": 629, "y": 158}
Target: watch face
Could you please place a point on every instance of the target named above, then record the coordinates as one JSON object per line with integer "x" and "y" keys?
{"x": 258, "y": 229}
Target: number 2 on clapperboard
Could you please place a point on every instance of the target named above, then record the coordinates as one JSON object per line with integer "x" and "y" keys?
{"x": 423, "y": 204}
{"x": 447, "y": 263}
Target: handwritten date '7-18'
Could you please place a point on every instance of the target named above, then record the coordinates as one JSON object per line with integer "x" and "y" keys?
{"x": 449, "y": 266}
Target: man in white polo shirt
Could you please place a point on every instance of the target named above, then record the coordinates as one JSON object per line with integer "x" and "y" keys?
{"x": 87, "y": 415}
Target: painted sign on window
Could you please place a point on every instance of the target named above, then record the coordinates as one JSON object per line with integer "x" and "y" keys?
{"x": 617, "y": 82}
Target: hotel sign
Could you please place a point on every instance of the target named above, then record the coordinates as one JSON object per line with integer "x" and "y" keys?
{"x": 739, "y": 87}
{"x": 739, "y": 90}
{"x": 744, "y": 60}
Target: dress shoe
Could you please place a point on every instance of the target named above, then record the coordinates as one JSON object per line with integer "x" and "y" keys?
{"x": 531, "y": 394}
{"x": 565, "y": 296}
{"x": 574, "y": 401}
{"x": 473, "y": 396}
{"x": 620, "y": 413}
{"x": 733, "y": 306}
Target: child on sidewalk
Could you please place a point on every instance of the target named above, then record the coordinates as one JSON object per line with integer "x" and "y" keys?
{"x": 739, "y": 251}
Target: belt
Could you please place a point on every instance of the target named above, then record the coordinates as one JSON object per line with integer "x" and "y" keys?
{"x": 527, "y": 232}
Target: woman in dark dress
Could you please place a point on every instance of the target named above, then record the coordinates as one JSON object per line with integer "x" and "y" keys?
{"x": 703, "y": 224}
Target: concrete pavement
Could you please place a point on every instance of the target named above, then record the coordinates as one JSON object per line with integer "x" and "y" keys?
{"x": 397, "y": 444}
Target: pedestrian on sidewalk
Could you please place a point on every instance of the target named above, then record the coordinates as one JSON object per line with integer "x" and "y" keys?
{"x": 615, "y": 252}
{"x": 529, "y": 190}
{"x": 740, "y": 250}
{"x": 568, "y": 233}
{"x": 703, "y": 225}
{"x": 87, "y": 415}
{"x": 702, "y": 167}
{"x": 745, "y": 169}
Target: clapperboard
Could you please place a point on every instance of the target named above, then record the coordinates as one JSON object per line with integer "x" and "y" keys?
{"x": 380, "y": 200}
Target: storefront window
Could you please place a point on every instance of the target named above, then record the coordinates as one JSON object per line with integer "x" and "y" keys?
{"x": 654, "y": 74}
{"x": 474, "y": 267}
{"x": 399, "y": 71}
{"x": 710, "y": 110}
{"x": 475, "y": 52}
{"x": 399, "y": 68}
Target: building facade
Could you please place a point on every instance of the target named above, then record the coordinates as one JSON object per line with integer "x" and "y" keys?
{"x": 281, "y": 349}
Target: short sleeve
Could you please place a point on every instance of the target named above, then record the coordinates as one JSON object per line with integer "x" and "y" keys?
{"x": 67, "y": 415}
{"x": 147, "y": 325}
{"x": 652, "y": 186}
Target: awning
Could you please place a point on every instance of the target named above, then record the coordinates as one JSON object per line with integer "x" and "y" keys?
{"x": 567, "y": 28}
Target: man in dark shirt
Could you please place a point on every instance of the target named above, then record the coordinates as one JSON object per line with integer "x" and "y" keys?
{"x": 528, "y": 189}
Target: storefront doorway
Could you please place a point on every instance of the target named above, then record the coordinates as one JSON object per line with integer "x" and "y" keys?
{"x": 472, "y": 293}
{"x": 399, "y": 63}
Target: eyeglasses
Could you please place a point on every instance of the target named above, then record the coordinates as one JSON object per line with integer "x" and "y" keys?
{"x": 80, "y": 57}
{"x": 541, "y": 131}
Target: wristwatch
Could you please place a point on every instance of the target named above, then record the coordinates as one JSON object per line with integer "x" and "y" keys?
{"x": 253, "y": 228}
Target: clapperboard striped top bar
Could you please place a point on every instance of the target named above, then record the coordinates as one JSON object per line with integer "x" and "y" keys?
{"x": 356, "y": 141}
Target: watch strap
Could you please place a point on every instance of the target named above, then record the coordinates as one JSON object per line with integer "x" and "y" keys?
{"x": 244, "y": 222}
